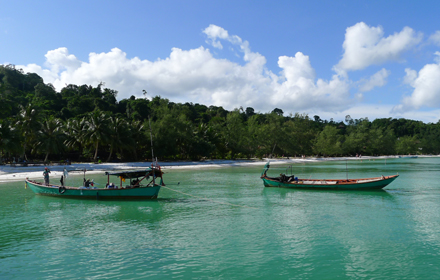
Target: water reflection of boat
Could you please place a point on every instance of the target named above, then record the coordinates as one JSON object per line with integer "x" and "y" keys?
{"x": 137, "y": 186}
{"x": 85, "y": 211}
{"x": 284, "y": 181}
{"x": 379, "y": 192}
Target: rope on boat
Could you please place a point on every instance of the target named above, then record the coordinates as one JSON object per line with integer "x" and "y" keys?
{"x": 204, "y": 198}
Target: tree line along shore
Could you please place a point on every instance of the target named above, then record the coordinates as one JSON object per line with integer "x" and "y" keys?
{"x": 86, "y": 123}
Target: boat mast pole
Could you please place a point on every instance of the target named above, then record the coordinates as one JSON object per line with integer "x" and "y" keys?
{"x": 152, "y": 152}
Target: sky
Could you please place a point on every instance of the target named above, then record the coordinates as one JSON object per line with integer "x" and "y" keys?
{"x": 366, "y": 59}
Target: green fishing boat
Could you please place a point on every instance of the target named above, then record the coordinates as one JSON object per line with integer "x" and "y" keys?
{"x": 136, "y": 184}
{"x": 285, "y": 181}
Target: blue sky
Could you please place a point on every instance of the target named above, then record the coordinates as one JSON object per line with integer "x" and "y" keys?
{"x": 373, "y": 59}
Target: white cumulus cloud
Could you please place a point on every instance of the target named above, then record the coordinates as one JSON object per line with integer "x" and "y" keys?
{"x": 435, "y": 38}
{"x": 195, "y": 75}
{"x": 365, "y": 46}
{"x": 426, "y": 84}
{"x": 410, "y": 77}
{"x": 374, "y": 111}
{"x": 60, "y": 59}
{"x": 299, "y": 89}
{"x": 213, "y": 32}
{"x": 379, "y": 79}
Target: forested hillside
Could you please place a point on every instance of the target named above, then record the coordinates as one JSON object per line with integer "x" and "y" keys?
{"x": 82, "y": 122}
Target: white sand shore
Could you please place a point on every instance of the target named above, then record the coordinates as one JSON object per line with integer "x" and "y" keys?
{"x": 8, "y": 173}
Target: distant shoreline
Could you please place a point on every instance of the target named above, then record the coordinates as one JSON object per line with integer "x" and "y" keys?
{"x": 8, "y": 173}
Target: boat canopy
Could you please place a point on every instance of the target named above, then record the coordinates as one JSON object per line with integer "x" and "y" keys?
{"x": 132, "y": 174}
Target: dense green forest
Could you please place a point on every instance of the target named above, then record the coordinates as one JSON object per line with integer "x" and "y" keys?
{"x": 37, "y": 123}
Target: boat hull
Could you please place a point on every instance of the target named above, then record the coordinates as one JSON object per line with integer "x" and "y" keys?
{"x": 358, "y": 184}
{"x": 83, "y": 193}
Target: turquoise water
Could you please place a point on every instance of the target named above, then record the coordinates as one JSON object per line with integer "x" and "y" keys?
{"x": 222, "y": 224}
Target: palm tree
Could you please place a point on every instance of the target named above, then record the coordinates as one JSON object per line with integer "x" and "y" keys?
{"x": 137, "y": 135}
{"x": 75, "y": 131}
{"x": 28, "y": 123}
{"x": 234, "y": 132}
{"x": 120, "y": 135}
{"x": 9, "y": 139}
{"x": 97, "y": 130}
{"x": 50, "y": 137}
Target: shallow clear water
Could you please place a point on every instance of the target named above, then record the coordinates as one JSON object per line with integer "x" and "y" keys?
{"x": 222, "y": 223}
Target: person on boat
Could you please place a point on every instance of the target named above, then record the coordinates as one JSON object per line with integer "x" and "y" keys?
{"x": 46, "y": 176}
{"x": 87, "y": 183}
{"x": 62, "y": 180}
{"x": 283, "y": 178}
{"x": 134, "y": 182}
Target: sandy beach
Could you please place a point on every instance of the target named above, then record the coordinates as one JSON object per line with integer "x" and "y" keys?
{"x": 19, "y": 173}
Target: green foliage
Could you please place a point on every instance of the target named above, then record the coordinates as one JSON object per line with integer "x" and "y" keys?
{"x": 407, "y": 145}
{"x": 329, "y": 142}
{"x": 97, "y": 130}
{"x": 10, "y": 141}
{"x": 50, "y": 137}
{"x": 358, "y": 139}
{"x": 28, "y": 123}
{"x": 301, "y": 135}
{"x": 382, "y": 141}
{"x": 83, "y": 122}
{"x": 120, "y": 138}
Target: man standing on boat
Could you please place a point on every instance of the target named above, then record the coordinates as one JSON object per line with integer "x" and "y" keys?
{"x": 46, "y": 176}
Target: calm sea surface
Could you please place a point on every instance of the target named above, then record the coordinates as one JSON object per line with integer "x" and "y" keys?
{"x": 223, "y": 224}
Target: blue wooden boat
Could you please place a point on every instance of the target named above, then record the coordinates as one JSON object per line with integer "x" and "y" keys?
{"x": 284, "y": 181}
{"x": 136, "y": 184}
